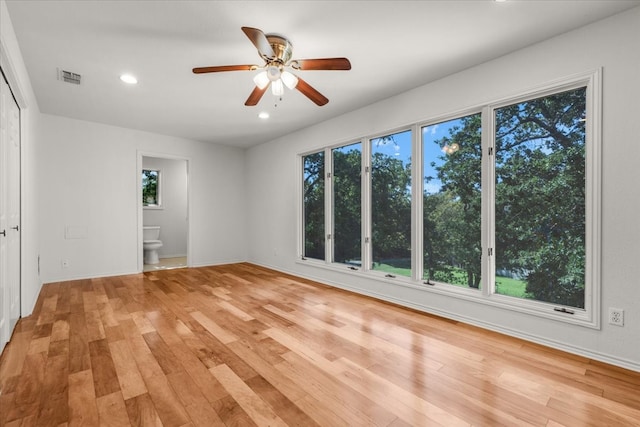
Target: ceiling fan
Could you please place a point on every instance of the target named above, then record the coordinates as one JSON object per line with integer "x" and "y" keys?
{"x": 276, "y": 52}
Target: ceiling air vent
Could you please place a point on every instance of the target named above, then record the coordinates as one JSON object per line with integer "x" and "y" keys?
{"x": 69, "y": 77}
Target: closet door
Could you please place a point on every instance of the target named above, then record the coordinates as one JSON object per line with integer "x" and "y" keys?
{"x": 4, "y": 288}
{"x": 13, "y": 210}
{"x": 9, "y": 212}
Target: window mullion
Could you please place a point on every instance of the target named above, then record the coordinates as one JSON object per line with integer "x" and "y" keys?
{"x": 488, "y": 201}
{"x": 366, "y": 204}
{"x": 417, "y": 186}
{"x": 328, "y": 205}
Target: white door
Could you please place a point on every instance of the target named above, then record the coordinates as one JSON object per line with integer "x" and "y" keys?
{"x": 13, "y": 208}
{"x": 4, "y": 288}
{"x": 9, "y": 213}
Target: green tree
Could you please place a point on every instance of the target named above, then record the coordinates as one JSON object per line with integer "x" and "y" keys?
{"x": 150, "y": 187}
{"x": 347, "y": 198}
{"x": 540, "y": 195}
{"x": 313, "y": 199}
{"x": 452, "y": 217}
{"x": 391, "y": 209}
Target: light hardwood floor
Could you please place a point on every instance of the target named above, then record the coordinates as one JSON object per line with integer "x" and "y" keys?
{"x": 240, "y": 345}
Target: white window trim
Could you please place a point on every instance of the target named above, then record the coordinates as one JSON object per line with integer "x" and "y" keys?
{"x": 589, "y": 317}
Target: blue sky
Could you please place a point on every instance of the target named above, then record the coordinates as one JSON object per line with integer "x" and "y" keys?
{"x": 400, "y": 147}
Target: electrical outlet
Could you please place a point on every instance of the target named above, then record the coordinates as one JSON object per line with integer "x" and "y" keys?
{"x": 616, "y": 316}
{"x": 65, "y": 263}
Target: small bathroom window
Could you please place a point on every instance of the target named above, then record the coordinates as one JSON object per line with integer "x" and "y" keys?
{"x": 151, "y": 195}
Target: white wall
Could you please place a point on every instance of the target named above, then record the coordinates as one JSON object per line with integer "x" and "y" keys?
{"x": 172, "y": 218}
{"x": 13, "y": 66}
{"x": 89, "y": 182}
{"x": 613, "y": 44}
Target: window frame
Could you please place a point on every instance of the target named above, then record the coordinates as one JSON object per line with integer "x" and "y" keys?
{"x": 159, "y": 205}
{"x": 367, "y": 205}
{"x": 301, "y": 217}
{"x": 330, "y": 186}
{"x": 420, "y": 204}
{"x": 589, "y": 317}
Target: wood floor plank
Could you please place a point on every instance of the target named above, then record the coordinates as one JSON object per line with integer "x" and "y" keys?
{"x": 83, "y": 410}
{"x": 403, "y": 403}
{"x": 147, "y": 364}
{"x": 257, "y": 409}
{"x": 142, "y": 412}
{"x": 105, "y": 378}
{"x": 130, "y": 379}
{"x": 214, "y": 329}
{"x": 112, "y": 411}
{"x": 79, "y": 357}
{"x": 235, "y": 311}
{"x": 30, "y": 384}
{"x": 54, "y": 395}
{"x": 348, "y": 403}
{"x": 60, "y": 328}
{"x": 141, "y": 321}
{"x": 285, "y": 408}
{"x": 48, "y": 310}
{"x": 286, "y": 386}
{"x": 12, "y": 361}
{"x": 196, "y": 404}
{"x": 170, "y": 410}
{"x": 95, "y": 328}
{"x": 232, "y": 414}
{"x": 242, "y": 345}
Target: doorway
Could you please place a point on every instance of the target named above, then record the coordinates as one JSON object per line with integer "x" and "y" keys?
{"x": 164, "y": 209}
{"x": 10, "y": 288}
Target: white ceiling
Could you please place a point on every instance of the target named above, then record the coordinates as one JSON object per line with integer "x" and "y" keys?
{"x": 393, "y": 46}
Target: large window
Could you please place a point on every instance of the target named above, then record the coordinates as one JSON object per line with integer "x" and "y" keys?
{"x": 347, "y": 204}
{"x": 540, "y": 198}
{"x": 452, "y": 154}
{"x": 391, "y": 203}
{"x": 502, "y": 205}
{"x": 313, "y": 196}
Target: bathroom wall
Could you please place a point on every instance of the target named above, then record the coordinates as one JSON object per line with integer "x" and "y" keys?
{"x": 172, "y": 217}
{"x": 89, "y": 182}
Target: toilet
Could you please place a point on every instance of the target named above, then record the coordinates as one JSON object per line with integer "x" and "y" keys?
{"x": 151, "y": 244}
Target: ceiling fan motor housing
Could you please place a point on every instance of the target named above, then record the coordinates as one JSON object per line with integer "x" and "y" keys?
{"x": 282, "y": 48}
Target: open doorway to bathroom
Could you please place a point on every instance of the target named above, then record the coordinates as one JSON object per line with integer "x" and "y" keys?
{"x": 163, "y": 212}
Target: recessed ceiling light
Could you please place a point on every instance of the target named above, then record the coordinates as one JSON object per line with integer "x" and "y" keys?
{"x": 500, "y": 1}
{"x": 263, "y": 115}
{"x": 128, "y": 78}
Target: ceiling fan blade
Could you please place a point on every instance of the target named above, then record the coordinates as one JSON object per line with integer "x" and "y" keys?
{"x": 311, "y": 93}
{"x": 255, "y": 96}
{"x": 217, "y": 69}
{"x": 322, "y": 64}
{"x": 260, "y": 41}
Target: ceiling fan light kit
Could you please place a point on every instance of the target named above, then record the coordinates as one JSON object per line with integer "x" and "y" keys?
{"x": 276, "y": 51}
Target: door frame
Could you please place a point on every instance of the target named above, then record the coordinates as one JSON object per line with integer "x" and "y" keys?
{"x": 140, "y": 220}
